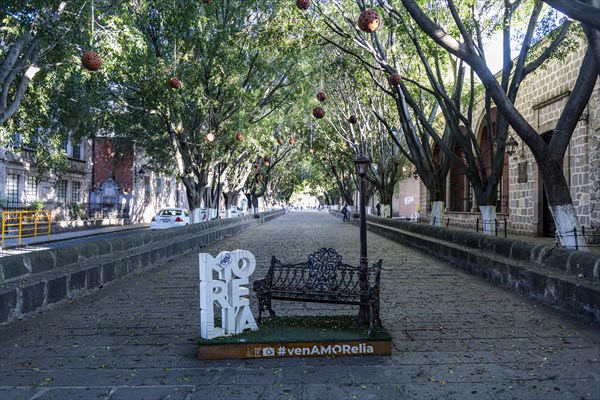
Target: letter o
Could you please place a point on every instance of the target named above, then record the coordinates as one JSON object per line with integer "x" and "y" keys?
{"x": 244, "y": 264}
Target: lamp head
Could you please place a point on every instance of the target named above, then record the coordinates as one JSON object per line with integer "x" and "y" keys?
{"x": 362, "y": 163}
{"x": 511, "y": 146}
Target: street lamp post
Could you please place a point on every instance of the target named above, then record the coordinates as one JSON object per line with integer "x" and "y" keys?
{"x": 362, "y": 163}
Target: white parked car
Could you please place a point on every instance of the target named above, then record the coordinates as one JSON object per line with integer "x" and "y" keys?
{"x": 170, "y": 218}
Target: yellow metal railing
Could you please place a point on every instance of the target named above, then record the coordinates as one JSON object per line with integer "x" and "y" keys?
{"x": 21, "y": 224}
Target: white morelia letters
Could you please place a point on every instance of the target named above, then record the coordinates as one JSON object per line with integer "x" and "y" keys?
{"x": 223, "y": 281}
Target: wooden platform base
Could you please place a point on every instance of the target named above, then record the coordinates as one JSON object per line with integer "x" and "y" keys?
{"x": 296, "y": 349}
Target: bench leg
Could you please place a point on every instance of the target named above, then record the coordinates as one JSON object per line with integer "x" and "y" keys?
{"x": 264, "y": 304}
{"x": 373, "y": 317}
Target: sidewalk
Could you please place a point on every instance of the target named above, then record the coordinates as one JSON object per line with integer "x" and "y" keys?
{"x": 455, "y": 336}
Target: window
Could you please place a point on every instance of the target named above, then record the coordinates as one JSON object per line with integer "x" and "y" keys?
{"x": 17, "y": 140}
{"x": 61, "y": 191}
{"x": 158, "y": 185}
{"x": 65, "y": 146}
{"x": 77, "y": 151}
{"x": 12, "y": 190}
{"x": 75, "y": 189}
{"x": 31, "y": 188}
{"x": 146, "y": 189}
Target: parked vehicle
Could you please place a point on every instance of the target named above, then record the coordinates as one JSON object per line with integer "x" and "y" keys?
{"x": 170, "y": 218}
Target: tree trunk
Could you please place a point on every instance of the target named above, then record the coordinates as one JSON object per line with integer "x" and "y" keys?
{"x": 387, "y": 211}
{"x": 568, "y": 228}
{"x": 437, "y": 213}
{"x": 488, "y": 219}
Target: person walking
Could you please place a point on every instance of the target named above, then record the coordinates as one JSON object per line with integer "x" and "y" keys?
{"x": 345, "y": 213}
{"x": 378, "y": 207}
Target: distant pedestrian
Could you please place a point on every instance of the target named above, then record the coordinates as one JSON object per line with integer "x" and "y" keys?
{"x": 378, "y": 207}
{"x": 345, "y": 212}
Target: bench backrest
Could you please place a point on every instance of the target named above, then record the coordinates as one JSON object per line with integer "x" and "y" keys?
{"x": 324, "y": 272}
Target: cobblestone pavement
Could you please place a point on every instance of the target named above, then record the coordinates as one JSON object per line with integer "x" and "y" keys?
{"x": 455, "y": 336}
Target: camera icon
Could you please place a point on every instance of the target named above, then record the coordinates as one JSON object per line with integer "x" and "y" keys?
{"x": 268, "y": 352}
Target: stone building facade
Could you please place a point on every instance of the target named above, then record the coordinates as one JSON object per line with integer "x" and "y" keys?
{"x": 22, "y": 182}
{"x": 522, "y": 201}
{"x": 104, "y": 179}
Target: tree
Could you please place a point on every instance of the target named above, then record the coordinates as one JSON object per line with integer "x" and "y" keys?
{"x": 368, "y": 136}
{"x": 30, "y": 43}
{"x": 235, "y": 68}
{"x": 416, "y": 107}
{"x": 587, "y": 12}
{"x": 549, "y": 156}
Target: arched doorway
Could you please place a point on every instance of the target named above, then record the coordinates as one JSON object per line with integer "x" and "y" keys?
{"x": 484, "y": 144}
{"x": 461, "y": 197}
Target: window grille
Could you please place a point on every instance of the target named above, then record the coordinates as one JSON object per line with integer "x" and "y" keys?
{"x": 77, "y": 151}
{"x": 75, "y": 189}
{"x": 61, "y": 191}
{"x": 12, "y": 190}
{"x": 31, "y": 189}
{"x": 147, "y": 189}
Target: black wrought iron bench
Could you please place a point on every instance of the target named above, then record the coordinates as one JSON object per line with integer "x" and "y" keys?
{"x": 322, "y": 279}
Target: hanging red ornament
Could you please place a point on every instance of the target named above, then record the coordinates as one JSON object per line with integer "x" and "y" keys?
{"x": 279, "y": 141}
{"x": 175, "y": 83}
{"x": 321, "y": 96}
{"x": 291, "y": 141}
{"x": 256, "y": 166}
{"x": 91, "y": 61}
{"x": 303, "y": 4}
{"x": 353, "y": 119}
{"x": 395, "y": 79}
{"x": 369, "y": 21}
{"x": 239, "y": 137}
{"x": 318, "y": 112}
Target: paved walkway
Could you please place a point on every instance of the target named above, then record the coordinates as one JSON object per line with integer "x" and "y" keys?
{"x": 455, "y": 336}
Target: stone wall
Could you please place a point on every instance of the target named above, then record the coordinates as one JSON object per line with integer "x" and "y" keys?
{"x": 565, "y": 279}
{"x": 31, "y": 282}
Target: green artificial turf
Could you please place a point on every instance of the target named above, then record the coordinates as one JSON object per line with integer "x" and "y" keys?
{"x": 304, "y": 329}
